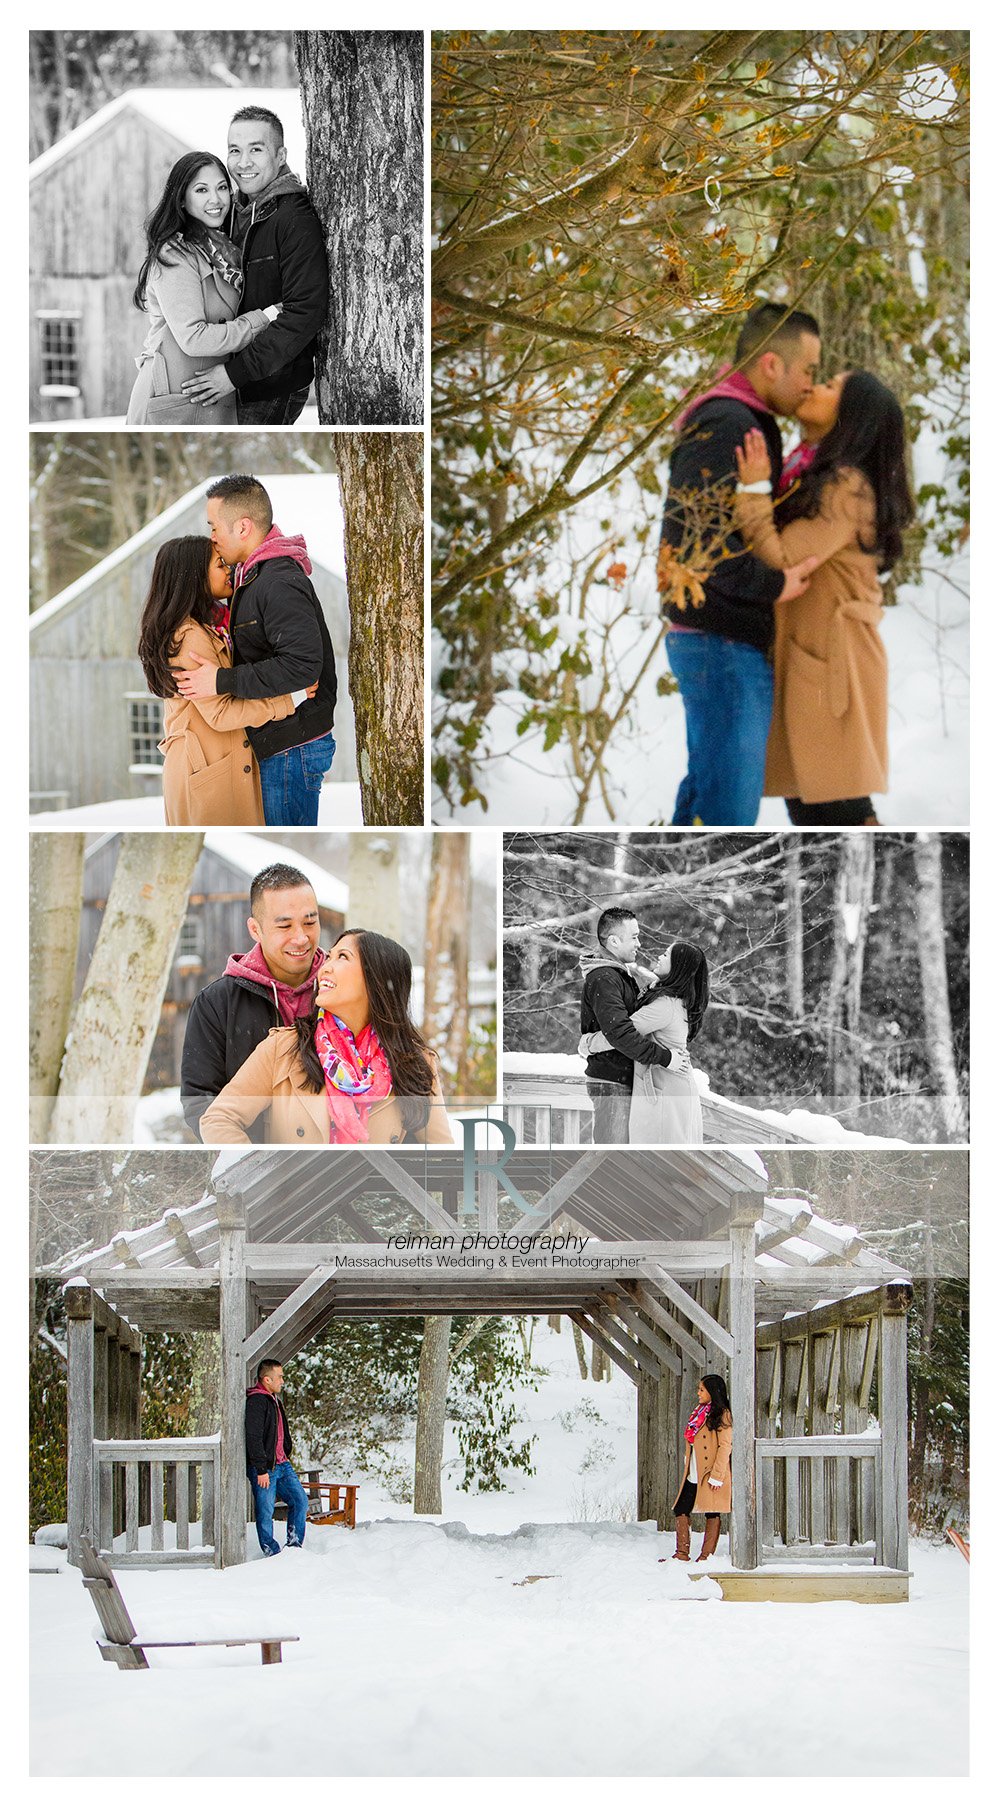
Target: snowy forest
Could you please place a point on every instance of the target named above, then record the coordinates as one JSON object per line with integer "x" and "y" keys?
{"x": 608, "y": 206}
{"x": 91, "y": 1041}
{"x": 353, "y": 1393}
{"x": 838, "y": 964}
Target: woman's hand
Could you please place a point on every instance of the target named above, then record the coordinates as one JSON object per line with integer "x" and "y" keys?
{"x": 753, "y": 464}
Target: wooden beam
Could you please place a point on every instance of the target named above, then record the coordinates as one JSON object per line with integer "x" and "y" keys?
{"x": 666, "y": 1321}
{"x": 691, "y": 1310}
{"x": 232, "y": 1331}
{"x": 269, "y": 1331}
{"x": 388, "y": 1168}
{"x": 562, "y": 1190}
{"x": 629, "y": 1345}
{"x": 892, "y": 1418}
{"x": 743, "y": 1519}
{"x": 178, "y": 1231}
{"x": 667, "y": 1357}
{"x": 611, "y": 1350}
{"x": 80, "y": 1418}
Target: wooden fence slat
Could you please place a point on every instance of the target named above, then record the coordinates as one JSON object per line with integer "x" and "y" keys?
{"x": 131, "y": 1506}
{"x": 181, "y": 1505}
{"x": 156, "y": 1506}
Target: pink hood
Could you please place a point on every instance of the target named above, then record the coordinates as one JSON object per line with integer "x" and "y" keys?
{"x": 275, "y": 545}
{"x": 731, "y": 383}
{"x": 291, "y": 1001}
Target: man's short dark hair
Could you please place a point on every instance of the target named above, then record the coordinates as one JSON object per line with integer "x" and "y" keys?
{"x": 770, "y": 328}
{"x": 276, "y": 877}
{"x": 266, "y": 117}
{"x": 609, "y": 920}
{"x": 267, "y": 1367}
{"x": 246, "y": 495}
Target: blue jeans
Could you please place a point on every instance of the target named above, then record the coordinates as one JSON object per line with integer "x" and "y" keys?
{"x": 728, "y": 692}
{"x": 275, "y": 411}
{"x": 291, "y": 782}
{"x": 283, "y": 1484}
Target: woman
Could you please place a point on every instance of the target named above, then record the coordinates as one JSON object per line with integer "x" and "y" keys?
{"x": 190, "y": 285}
{"x": 846, "y": 503}
{"x": 210, "y": 777}
{"x": 355, "y": 1070}
{"x": 707, "y": 1483}
{"x": 666, "y": 1103}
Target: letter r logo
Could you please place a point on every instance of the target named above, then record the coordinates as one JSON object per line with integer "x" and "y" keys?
{"x": 495, "y": 1164}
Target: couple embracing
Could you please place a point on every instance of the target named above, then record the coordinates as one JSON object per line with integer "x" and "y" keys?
{"x": 234, "y": 640}
{"x": 235, "y": 286}
{"x": 636, "y": 1024}
{"x": 776, "y": 650}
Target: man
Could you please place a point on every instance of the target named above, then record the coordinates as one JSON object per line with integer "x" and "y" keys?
{"x": 280, "y": 643}
{"x": 283, "y": 259}
{"x": 611, "y": 992}
{"x": 271, "y": 1476}
{"x": 260, "y": 991}
{"x": 719, "y": 650}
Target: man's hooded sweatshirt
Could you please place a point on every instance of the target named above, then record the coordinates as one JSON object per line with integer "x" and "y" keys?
{"x": 283, "y": 259}
{"x": 610, "y": 995}
{"x": 268, "y": 1438}
{"x": 226, "y": 1022}
{"x": 280, "y": 643}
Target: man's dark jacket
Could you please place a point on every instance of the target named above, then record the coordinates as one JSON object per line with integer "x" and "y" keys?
{"x": 281, "y": 643}
{"x": 225, "y": 1024}
{"x": 741, "y": 592}
{"x": 610, "y": 995}
{"x": 261, "y": 1421}
{"x": 284, "y": 259}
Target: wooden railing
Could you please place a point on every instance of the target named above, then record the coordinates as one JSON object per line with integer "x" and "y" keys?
{"x": 819, "y": 1496}
{"x": 556, "y": 1109}
{"x": 170, "y": 1487}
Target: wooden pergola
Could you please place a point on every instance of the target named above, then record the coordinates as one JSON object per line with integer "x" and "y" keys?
{"x": 689, "y": 1266}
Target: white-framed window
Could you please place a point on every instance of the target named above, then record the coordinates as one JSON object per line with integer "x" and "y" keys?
{"x": 191, "y": 941}
{"x": 145, "y": 729}
{"x": 59, "y": 332}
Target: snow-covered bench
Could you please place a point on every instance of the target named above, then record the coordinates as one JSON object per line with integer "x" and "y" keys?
{"x": 121, "y": 1643}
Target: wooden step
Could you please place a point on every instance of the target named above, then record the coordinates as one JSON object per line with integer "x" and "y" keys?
{"x": 867, "y": 1584}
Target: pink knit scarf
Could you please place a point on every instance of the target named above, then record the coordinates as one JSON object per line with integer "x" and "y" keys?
{"x": 696, "y": 1421}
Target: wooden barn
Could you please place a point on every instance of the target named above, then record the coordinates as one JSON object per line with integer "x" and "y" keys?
{"x": 89, "y": 197}
{"x": 689, "y": 1266}
{"x": 93, "y": 727}
{"x": 214, "y": 928}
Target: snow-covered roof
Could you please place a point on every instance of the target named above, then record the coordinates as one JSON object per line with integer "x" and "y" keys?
{"x": 300, "y": 506}
{"x": 249, "y": 853}
{"x": 197, "y": 117}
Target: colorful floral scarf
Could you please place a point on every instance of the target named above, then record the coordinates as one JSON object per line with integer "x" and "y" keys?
{"x": 220, "y": 626}
{"x": 696, "y": 1421}
{"x": 222, "y": 254}
{"x": 795, "y": 466}
{"x": 356, "y": 1072}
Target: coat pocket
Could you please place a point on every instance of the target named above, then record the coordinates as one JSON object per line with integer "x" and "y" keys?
{"x": 216, "y": 778}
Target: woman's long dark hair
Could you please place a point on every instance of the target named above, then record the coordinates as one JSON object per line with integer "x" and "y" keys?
{"x": 686, "y": 979}
{"x": 869, "y": 436}
{"x": 388, "y": 976}
{"x": 178, "y": 592}
{"x": 720, "y": 1408}
{"x": 168, "y": 217}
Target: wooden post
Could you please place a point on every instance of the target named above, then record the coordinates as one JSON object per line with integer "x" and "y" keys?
{"x": 232, "y": 1331}
{"x": 743, "y": 1519}
{"x": 80, "y": 1417}
{"x": 653, "y": 1453}
{"x": 894, "y": 1503}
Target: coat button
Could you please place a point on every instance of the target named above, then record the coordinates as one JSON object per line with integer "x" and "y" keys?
{"x": 245, "y": 742}
{"x": 246, "y": 768}
{"x": 300, "y": 1131}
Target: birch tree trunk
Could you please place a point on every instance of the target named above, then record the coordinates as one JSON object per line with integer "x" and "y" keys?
{"x": 373, "y": 884}
{"x": 362, "y": 96}
{"x": 446, "y": 959}
{"x": 793, "y": 929}
{"x": 432, "y": 1387}
{"x": 116, "y": 1015}
{"x": 850, "y": 932}
{"x": 381, "y": 486}
{"x": 934, "y": 983}
{"x": 55, "y": 894}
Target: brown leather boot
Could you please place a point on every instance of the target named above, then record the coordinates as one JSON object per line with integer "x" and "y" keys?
{"x": 683, "y": 1552}
{"x": 713, "y": 1528}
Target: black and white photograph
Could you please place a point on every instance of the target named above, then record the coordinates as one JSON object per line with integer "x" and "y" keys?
{"x": 666, "y": 988}
{"x": 226, "y": 228}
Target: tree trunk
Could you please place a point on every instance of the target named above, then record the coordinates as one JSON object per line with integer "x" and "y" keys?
{"x": 581, "y": 1351}
{"x": 934, "y": 984}
{"x": 432, "y": 1387}
{"x": 56, "y": 892}
{"x": 793, "y": 930}
{"x": 373, "y": 883}
{"x": 381, "y": 487}
{"x": 446, "y": 959}
{"x": 850, "y": 932}
{"x": 362, "y": 95}
{"x": 114, "y": 1022}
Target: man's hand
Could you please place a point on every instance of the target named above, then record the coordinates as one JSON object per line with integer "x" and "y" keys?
{"x": 201, "y": 681}
{"x": 209, "y": 386}
{"x": 797, "y": 580}
{"x": 311, "y": 689}
{"x": 263, "y": 1481}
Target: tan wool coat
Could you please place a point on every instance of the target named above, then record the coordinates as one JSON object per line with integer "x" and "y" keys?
{"x": 273, "y": 1079}
{"x": 714, "y": 1453}
{"x": 210, "y": 776}
{"x": 829, "y": 730}
{"x": 193, "y": 324}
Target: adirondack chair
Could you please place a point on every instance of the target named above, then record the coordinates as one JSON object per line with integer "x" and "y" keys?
{"x": 121, "y": 1643}
{"x": 340, "y": 1505}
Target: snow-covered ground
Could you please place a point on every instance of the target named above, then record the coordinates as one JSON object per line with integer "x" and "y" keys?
{"x": 339, "y": 808}
{"x": 530, "y": 1633}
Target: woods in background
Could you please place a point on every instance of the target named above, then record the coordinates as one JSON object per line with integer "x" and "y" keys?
{"x": 839, "y": 963}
